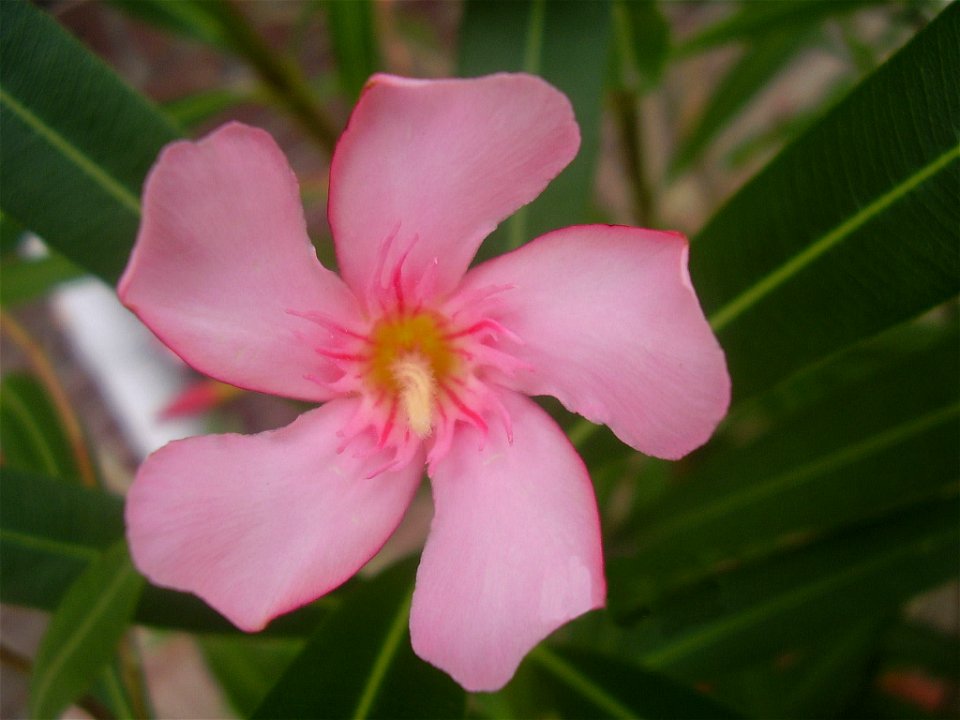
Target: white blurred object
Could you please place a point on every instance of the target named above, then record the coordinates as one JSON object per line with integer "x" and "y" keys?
{"x": 136, "y": 375}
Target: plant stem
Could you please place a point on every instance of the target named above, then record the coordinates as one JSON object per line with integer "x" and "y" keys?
{"x": 625, "y": 98}
{"x": 48, "y": 378}
{"x": 23, "y": 664}
{"x": 631, "y": 130}
{"x": 281, "y": 76}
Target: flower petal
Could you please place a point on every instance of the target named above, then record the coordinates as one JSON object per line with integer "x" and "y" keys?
{"x": 432, "y": 166}
{"x": 612, "y": 327}
{"x": 223, "y": 256}
{"x": 259, "y": 525}
{"x": 513, "y": 552}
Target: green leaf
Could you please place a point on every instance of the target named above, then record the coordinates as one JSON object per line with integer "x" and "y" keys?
{"x": 354, "y": 38}
{"x": 33, "y": 437}
{"x": 360, "y": 664}
{"x": 25, "y": 280}
{"x": 814, "y": 680}
{"x": 757, "y": 19}
{"x": 10, "y": 233}
{"x": 83, "y": 633}
{"x": 884, "y": 439}
{"x": 852, "y": 229}
{"x": 765, "y": 609}
{"x": 918, "y": 658}
{"x": 198, "y": 19}
{"x": 825, "y": 682}
{"x": 77, "y": 142}
{"x": 191, "y": 110}
{"x": 644, "y": 34}
{"x": 751, "y": 74}
{"x": 577, "y": 683}
{"x": 50, "y": 531}
{"x": 248, "y": 666}
{"x": 566, "y": 43}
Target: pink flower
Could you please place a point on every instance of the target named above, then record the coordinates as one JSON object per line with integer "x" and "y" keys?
{"x": 417, "y": 360}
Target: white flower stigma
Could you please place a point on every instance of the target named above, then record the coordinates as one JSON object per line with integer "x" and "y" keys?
{"x": 418, "y": 388}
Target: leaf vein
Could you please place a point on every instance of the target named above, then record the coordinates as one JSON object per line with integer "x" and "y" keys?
{"x": 110, "y": 184}
{"x": 770, "y": 282}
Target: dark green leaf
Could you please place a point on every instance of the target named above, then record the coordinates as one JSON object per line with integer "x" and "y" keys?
{"x": 851, "y": 230}
{"x": 760, "y": 63}
{"x": 49, "y": 532}
{"x": 10, "y": 233}
{"x": 577, "y": 683}
{"x": 883, "y": 439}
{"x": 33, "y": 437}
{"x": 645, "y": 37}
{"x": 825, "y": 681}
{"x": 198, "y": 19}
{"x": 84, "y": 631}
{"x": 769, "y": 608}
{"x": 224, "y": 25}
{"x": 25, "y": 280}
{"x": 112, "y": 692}
{"x": 756, "y": 19}
{"x": 247, "y": 667}
{"x": 360, "y": 664}
{"x": 354, "y": 37}
{"x": 77, "y": 142}
{"x": 786, "y": 127}
{"x": 814, "y": 680}
{"x": 567, "y": 44}
{"x": 915, "y": 675}
{"x": 194, "y": 109}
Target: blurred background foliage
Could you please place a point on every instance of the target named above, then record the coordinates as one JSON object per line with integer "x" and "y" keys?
{"x": 803, "y": 564}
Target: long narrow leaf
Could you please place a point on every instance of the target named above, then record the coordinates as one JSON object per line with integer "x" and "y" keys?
{"x": 756, "y": 19}
{"x": 852, "y": 229}
{"x": 25, "y": 280}
{"x": 578, "y": 683}
{"x": 77, "y": 142}
{"x": 885, "y": 439}
{"x": 767, "y": 609}
{"x": 354, "y": 38}
{"x": 360, "y": 664}
{"x": 34, "y": 439}
{"x": 84, "y": 632}
{"x": 760, "y": 63}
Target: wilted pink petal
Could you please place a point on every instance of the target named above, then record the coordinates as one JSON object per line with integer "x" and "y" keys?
{"x": 428, "y": 168}
{"x": 610, "y": 325}
{"x": 259, "y": 525}
{"x": 221, "y": 257}
{"x": 513, "y": 552}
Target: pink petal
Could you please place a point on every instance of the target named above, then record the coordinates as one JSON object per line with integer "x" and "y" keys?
{"x": 259, "y": 525}
{"x": 612, "y": 327}
{"x": 223, "y": 255}
{"x": 513, "y": 552}
{"x": 436, "y": 165}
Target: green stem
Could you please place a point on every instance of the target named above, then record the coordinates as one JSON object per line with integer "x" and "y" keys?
{"x": 48, "y": 378}
{"x": 631, "y": 135}
{"x": 22, "y": 664}
{"x": 629, "y": 122}
{"x": 282, "y": 77}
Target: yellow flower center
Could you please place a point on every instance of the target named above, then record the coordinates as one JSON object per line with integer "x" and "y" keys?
{"x": 411, "y": 357}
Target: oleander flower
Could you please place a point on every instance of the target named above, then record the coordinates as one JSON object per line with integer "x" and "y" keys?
{"x": 417, "y": 360}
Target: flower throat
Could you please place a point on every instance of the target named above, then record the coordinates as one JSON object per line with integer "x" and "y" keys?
{"x": 411, "y": 359}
